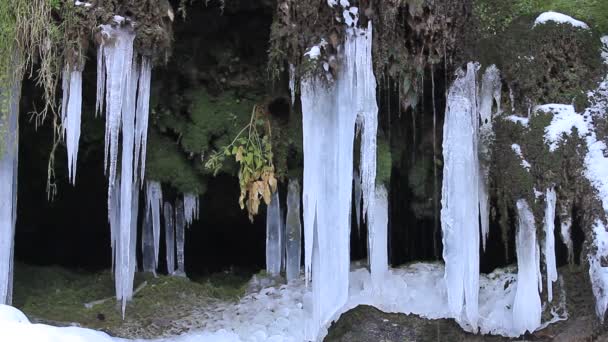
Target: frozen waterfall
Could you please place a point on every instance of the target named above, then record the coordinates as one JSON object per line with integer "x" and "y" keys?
{"x": 9, "y": 152}
{"x": 460, "y": 198}
{"x": 526, "y": 305}
{"x": 273, "y": 236}
{"x": 329, "y": 115}
{"x": 549, "y": 243}
{"x": 71, "y": 109}
{"x": 293, "y": 231}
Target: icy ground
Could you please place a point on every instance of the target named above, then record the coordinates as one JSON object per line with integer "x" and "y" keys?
{"x": 276, "y": 313}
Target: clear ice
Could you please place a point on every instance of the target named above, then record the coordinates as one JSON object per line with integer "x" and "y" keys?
{"x": 169, "y": 238}
{"x": 180, "y": 236}
{"x": 273, "y": 236}
{"x": 154, "y": 201}
{"x": 293, "y": 227}
{"x": 378, "y": 237}
{"x": 71, "y": 109}
{"x": 147, "y": 244}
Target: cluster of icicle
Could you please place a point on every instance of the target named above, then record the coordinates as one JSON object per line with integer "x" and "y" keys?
{"x": 329, "y": 116}
{"x": 284, "y": 234}
{"x": 9, "y": 145}
{"x": 467, "y": 130}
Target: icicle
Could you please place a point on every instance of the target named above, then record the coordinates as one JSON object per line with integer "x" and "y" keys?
{"x": 369, "y": 129}
{"x": 549, "y": 244}
{"x": 358, "y": 198}
{"x": 169, "y": 238}
{"x": 460, "y": 198}
{"x": 329, "y": 115}
{"x": 378, "y": 237}
{"x": 180, "y": 237}
{"x": 490, "y": 92}
{"x": 101, "y": 80}
{"x": 9, "y": 157}
{"x": 273, "y": 236}
{"x": 71, "y": 109}
{"x": 526, "y": 305}
{"x": 191, "y": 208}
{"x": 293, "y": 231}
{"x": 154, "y": 198}
{"x": 143, "y": 109}
{"x": 147, "y": 244}
{"x": 114, "y": 220}
{"x": 292, "y": 83}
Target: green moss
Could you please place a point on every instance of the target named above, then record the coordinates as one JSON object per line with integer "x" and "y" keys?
{"x": 384, "y": 162}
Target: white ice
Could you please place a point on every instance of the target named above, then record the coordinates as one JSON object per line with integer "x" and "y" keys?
{"x": 170, "y": 237}
{"x": 526, "y": 305}
{"x": 273, "y": 236}
{"x": 378, "y": 237}
{"x": 560, "y": 19}
{"x": 597, "y": 272}
{"x": 293, "y": 231}
{"x": 460, "y": 198}
{"x": 9, "y": 157}
{"x": 71, "y": 109}
{"x": 143, "y": 109}
{"x": 549, "y": 243}
{"x": 191, "y": 208}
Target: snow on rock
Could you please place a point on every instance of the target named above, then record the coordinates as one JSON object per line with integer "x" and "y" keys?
{"x": 460, "y": 198}
{"x": 329, "y": 115}
{"x": 564, "y": 119}
{"x": 71, "y": 109}
{"x": 518, "y": 119}
{"x": 9, "y": 157}
{"x": 549, "y": 243}
{"x": 315, "y": 51}
{"x": 524, "y": 163}
{"x": 526, "y": 305}
{"x": 273, "y": 236}
{"x": 560, "y": 19}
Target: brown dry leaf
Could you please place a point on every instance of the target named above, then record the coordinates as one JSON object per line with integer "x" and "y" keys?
{"x": 239, "y": 154}
{"x": 272, "y": 182}
{"x": 267, "y": 194}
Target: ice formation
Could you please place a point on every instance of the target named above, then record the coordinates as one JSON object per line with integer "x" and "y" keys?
{"x": 147, "y": 244}
{"x": 180, "y": 236}
{"x": 358, "y": 198}
{"x": 597, "y": 272}
{"x": 273, "y": 236}
{"x": 526, "y": 305}
{"x": 460, "y": 198}
{"x": 169, "y": 237}
{"x": 549, "y": 243}
{"x": 154, "y": 201}
{"x": 71, "y": 109}
{"x": 143, "y": 110}
{"x": 329, "y": 115}
{"x": 191, "y": 208}
{"x": 293, "y": 231}
{"x": 565, "y": 233}
{"x": 9, "y": 148}
{"x": 378, "y": 237}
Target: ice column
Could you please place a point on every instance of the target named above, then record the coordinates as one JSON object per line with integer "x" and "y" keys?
{"x": 147, "y": 244}
{"x": 293, "y": 231}
{"x": 526, "y": 305}
{"x": 273, "y": 236}
{"x": 71, "y": 109}
{"x": 169, "y": 238}
{"x": 154, "y": 201}
{"x": 378, "y": 237}
{"x": 329, "y": 115}
{"x": 180, "y": 236}
{"x": 9, "y": 152}
{"x": 460, "y": 198}
{"x": 549, "y": 244}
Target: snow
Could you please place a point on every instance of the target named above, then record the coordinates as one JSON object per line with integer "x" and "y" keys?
{"x": 597, "y": 272}
{"x": 564, "y": 119}
{"x": 9, "y": 157}
{"x": 329, "y": 115}
{"x": 549, "y": 243}
{"x": 293, "y": 234}
{"x": 169, "y": 237}
{"x": 273, "y": 236}
{"x": 81, "y": 3}
{"x": 460, "y": 198}
{"x": 518, "y": 119}
{"x": 180, "y": 237}
{"x": 154, "y": 201}
{"x": 526, "y": 305}
{"x": 524, "y": 163}
{"x": 560, "y": 19}
{"x": 71, "y": 109}
{"x": 565, "y": 233}
{"x": 191, "y": 208}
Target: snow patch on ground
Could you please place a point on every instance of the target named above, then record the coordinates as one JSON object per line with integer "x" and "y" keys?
{"x": 560, "y": 19}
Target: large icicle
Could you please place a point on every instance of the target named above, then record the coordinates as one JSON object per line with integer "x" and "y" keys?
{"x": 273, "y": 236}
{"x": 526, "y": 305}
{"x": 549, "y": 244}
{"x": 9, "y": 152}
{"x": 154, "y": 201}
{"x": 378, "y": 237}
{"x": 293, "y": 231}
{"x": 180, "y": 237}
{"x": 460, "y": 198}
{"x": 191, "y": 207}
{"x": 71, "y": 109}
{"x": 489, "y": 95}
{"x": 169, "y": 237}
{"x": 329, "y": 115}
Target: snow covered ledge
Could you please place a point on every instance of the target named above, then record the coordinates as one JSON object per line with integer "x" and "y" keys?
{"x": 560, "y": 19}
